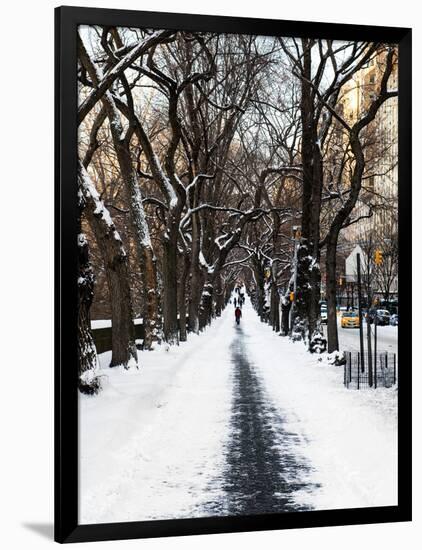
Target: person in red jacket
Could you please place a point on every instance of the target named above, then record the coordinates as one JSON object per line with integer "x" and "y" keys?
{"x": 238, "y": 314}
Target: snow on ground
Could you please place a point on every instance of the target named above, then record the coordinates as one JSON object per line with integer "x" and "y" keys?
{"x": 151, "y": 443}
{"x": 350, "y": 436}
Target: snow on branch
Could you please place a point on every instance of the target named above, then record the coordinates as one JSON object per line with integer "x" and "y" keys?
{"x": 203, "y": 262}
{"x": 191, "y": 211}
{"x": 196, "y": 179}
{"x": 90, "y": 194}
{"x": 118, "y": 69}
{"x": 235, "y": 262}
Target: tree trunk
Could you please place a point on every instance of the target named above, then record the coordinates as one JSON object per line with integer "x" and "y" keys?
{"x": 275, "y": 307}
{"x": 228, "y": 289}
{"x": 304, "y": 253}
{"x": 115, "y": 263}
{"x": 171, "y": 324}
{"x": 315, "y": 271}
{"x": 196, "y": 278}
{"x": 332, "y": 240}
{"x": 331, "y": 288}
{"x": 152, "y": 323}
{"x": 181, "y": 297}
{"x": 260, "y": 292}
{"x": 275, "y": 296}
{"x": 220, "y": 295}
{"x": 88, "y": 381}
{"x": 205, "y": 308}
{"x": 308, "y": 274}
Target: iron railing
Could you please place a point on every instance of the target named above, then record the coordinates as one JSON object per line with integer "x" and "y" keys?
{"x": 374, "y": 371}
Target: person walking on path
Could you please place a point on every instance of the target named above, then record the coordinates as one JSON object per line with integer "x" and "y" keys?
{"x": 235, "y": 302}
{"x": 285, "y": 312}
{"x": 238, "y": 314}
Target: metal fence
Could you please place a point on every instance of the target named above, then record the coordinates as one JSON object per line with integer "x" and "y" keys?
{"x": 366, "y": 371}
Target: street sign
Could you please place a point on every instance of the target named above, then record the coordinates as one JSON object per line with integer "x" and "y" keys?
{"x": 351, "y": 264}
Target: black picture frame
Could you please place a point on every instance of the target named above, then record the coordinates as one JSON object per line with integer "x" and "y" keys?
{"x": 66, "y": 412}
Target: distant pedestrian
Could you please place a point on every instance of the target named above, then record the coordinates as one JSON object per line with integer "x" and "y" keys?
{"x": 235, "y": 302}
{"x": 238, "y": 314}
{"x": 285, "y": 311}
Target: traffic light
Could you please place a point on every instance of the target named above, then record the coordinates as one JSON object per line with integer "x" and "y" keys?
{"x": 378, "y": 257}
{"x": 296, "y": 232}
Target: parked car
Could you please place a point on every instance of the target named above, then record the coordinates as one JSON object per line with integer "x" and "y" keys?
{"x": 394, "y": 319}
{"x": 391, "y": 305}
{"x": 349, "y": 319}
{"x": 383, "y": 316}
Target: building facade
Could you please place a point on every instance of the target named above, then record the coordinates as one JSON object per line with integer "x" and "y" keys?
{"x": 378, "y": 203}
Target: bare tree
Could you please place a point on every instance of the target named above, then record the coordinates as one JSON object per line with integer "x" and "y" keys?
{"x": 121, "y": 140}
{"x": 323, "y": 68}
{"x": 116, "y": 267}
{"x": 342, "y": 217}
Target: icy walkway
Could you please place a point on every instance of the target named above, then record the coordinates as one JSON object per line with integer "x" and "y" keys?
{"x": 264, "y": 467}
{"x": 237, "y": 420}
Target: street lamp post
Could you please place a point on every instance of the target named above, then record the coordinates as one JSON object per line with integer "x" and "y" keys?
{"x": 296, "y": 237}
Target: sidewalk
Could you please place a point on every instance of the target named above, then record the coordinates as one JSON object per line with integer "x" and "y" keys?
{"x": 152, "y": 441}
{"x": 349, "y": 437}
{"x": 161, "y": 442}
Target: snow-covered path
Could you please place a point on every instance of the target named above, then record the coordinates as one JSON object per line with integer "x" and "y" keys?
{"x": 264, "y": 467}
{"x": 237, "y": 420}
{"x": 151, "y": 444}
{"x": 349, "y": 437}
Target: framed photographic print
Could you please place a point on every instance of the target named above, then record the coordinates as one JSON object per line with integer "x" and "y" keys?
{"x": 233, "y": 292}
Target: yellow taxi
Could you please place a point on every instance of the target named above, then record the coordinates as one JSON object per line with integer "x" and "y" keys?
{"x": 349, "y": 319}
